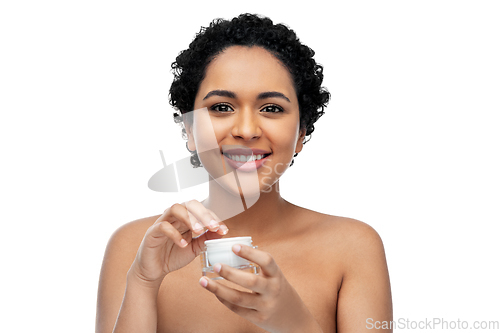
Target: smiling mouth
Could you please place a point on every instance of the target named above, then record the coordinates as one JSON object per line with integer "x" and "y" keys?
{"x": 246, "y": 158}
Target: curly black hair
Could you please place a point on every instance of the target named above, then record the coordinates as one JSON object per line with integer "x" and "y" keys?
{"x": 189, "y": 68}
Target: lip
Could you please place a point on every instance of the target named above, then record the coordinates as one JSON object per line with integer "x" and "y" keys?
{"x": 246, "y": 166}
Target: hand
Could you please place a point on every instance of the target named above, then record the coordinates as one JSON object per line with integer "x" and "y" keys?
{"x": 169, "y": 245}
{"x": 273, "y": 304}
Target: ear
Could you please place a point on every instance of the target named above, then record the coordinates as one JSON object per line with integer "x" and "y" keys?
{"x": 300, "y": 140}
{"x": 189, "y": 132}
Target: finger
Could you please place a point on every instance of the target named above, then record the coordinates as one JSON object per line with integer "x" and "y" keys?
{"x": 261, "y": 258}
{"x": 178, "y": 216}
{"x": 163, "y": 229}
{"x": 200, "y": 229}
{"x": 253, "y": 282}
{"x": 202, "y": 214}
{"x": 197, "y": 227}
{"x": 223, "y": 228}
{"x": 247, "y": 313}
{"x": 199, "y": 242}
{"x": 230, "y": 295}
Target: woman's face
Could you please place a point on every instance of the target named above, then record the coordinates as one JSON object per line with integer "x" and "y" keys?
{"x": 251, "y": 109}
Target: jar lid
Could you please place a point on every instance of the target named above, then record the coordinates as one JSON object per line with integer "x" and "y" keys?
{"x": 230, "y": 241}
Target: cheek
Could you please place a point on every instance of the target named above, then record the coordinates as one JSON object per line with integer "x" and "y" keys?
{"x": 204, "y": 132}
{"x": 221, "y": 128}
{"x": 284, "y": 137}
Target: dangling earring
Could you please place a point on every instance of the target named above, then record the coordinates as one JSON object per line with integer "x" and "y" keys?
{"x": 191, "y": 151}
{"x": 195, "y": 161}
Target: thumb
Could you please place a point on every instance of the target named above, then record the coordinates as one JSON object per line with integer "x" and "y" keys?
{"x": 199, "y": 242}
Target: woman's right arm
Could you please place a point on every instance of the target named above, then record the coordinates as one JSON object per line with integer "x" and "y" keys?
{"x": 119, "y": 293}
{"x": 136, "y": 262}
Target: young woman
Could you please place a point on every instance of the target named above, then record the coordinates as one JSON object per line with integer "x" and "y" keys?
{"x": 256, "y": 91}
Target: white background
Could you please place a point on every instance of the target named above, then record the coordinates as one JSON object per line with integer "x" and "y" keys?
{"x": 409, "y": 143}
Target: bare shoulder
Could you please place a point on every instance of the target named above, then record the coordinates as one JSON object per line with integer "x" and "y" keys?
{"x": 119, "y": 255}
{"x": 123, "y": 245}
{"x": 351, "y": 236}
{"x": 125, "y": 241}
{"x": 139, "y": 224}
{"x": 364, "y": 291}
{"x": 354, "y": 233}
{"x": 355, "y": 254}
{"x": 131, "y": 233}
{"x": 345, "y": 226}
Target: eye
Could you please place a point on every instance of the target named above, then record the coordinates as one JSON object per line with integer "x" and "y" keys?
{"x": 272, "y": 109}
{"x": 221, "y": 107}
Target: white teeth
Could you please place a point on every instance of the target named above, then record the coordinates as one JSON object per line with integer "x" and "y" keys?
{"x": 245, "y": 158}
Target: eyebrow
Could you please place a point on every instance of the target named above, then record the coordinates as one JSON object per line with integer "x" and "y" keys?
{"x": 223, "y": 93}
{"x": 271, "y": 94}
{"x": 230, "y": 94}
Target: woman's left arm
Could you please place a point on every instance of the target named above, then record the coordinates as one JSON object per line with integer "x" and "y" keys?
{"x": 364, "y": 299}
{"x": 273, "y": 305}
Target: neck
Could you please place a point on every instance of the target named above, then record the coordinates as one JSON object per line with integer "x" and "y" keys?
{"x": 265, "y": 217}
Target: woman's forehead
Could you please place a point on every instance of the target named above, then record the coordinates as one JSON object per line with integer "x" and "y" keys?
{"x": 247, "y": 70}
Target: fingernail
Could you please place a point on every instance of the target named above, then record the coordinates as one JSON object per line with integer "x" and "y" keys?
{"x": 217, "y": 268}
{"x": 236, "y": 248}
{"x": 213, "y": 224}
{"x": 184, "y": 243}
{"x": 224, "y": 229}
{"x": 204, "y": 282}
{"x": 198, "y": 227}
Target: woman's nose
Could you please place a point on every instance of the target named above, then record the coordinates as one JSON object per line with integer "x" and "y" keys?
{"x": 246, "y": 125}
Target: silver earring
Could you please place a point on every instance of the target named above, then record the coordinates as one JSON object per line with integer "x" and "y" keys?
{"x": 191, "y": 151}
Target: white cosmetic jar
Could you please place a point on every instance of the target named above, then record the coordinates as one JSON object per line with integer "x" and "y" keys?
{"x": 220, "y": 251}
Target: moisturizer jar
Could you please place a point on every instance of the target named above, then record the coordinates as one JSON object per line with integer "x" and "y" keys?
{"x": 219, "y": 251}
